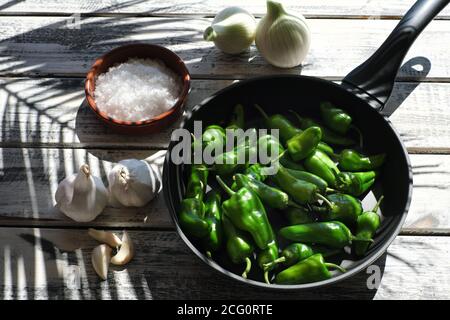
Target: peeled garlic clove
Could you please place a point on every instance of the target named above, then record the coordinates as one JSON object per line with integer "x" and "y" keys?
{"x": 106, "y": 237}
{"x": 126, "y": 251}
{"x": 81, "y": 196}
{"x": 101, "y": 257}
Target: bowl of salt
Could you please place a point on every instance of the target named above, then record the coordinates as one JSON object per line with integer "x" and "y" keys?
{"x": 138, "y": 88}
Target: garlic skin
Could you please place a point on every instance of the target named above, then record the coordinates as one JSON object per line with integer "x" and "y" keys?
{"x": 281, "y": 38}
{"x": 232, "y": 30}
{"x": 133, "y": 183}
{"x": 81, "y": 196}
{"x": 100, "y": 259}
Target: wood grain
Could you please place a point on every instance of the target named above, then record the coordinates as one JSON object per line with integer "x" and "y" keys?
{"x": 310, "y": 8}
{"x": 54, "y": 46}
{"x": 50, "y": 112}
{"x": 34, "y": 174}
{"x": 55, "y": 264}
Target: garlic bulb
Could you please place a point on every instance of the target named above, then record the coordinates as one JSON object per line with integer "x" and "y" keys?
{"x": 232, "y": 30}
{"x": 81, "y": 196}
{"x": 282, "y": 39}
{"x": 133, "y": 183}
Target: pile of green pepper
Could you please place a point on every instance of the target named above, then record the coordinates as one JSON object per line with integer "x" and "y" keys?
{"x": 316, "y": 190}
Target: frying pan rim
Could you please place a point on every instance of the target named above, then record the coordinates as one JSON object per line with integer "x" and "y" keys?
{"x": 365, "y": 261}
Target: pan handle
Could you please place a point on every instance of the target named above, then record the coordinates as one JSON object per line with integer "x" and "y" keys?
{"x": 373, "y": 80}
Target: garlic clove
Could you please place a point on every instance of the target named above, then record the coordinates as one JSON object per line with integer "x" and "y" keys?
{"x": 126, "y": 251}
{"x": 100, "y": 258}
{"x": 106, "y": 237}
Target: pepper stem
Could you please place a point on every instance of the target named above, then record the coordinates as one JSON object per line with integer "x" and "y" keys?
{"x": 266, "y": 276}
{"x": 224, "y": 186}
{"x": 261, "y": 110}
{"x": 327, "y": 202}
{"x": 209, "y": 34}
{"x": 208, "y": 254}
{"x": 330, "y": 190}
{"x": 247, "y": 267}
{"x": 279, "y": 156}
{"x": 375, "y": 209}
{"x": 274, "y": 262}
{"x": 335, "y": 266}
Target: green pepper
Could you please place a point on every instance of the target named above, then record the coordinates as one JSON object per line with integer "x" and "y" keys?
{"x": 213, "y": 136}
{"x": 321, "y": 165}
{"x": 309, "y": 177}
{"x": 213, "y": 216}
{"x": 238, "y": 245}
{"x": 338, "y": 120}
{"x": 247, "y": 213}
{"x": 277, "y": 121}
{"x": 237, "y": 118}
{"x": 335, "y": 118}
{"x": 255, "y": 172}
{"x": 288, "y": 163}
{"x": 292, "y": 254}
{"x": 327, "y": 135}
{"x": 303, "y": 144}
{"x": 229, "y": 162}
{"x": 366, "y": 226}
{"x": 333, "y": 234}
{"x": 270, "y": 196}
{"x": 300, "y": 191}
{"x": 192, "y": 218}
{"x": 287, "y": 130}
{"x": 325, "y": 148}
{"x": 351, "y": 160}
{"x": 296, "y": 252}
{"x": 298, "y": 215}
{"x": 355, "y": 183}
{"x": 311, "y": 269}
{"x": 267, "y": 256}
{"x": 197, "y": 182}
{"x": 344, "y": 208}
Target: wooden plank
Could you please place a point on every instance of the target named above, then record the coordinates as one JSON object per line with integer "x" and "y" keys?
{"x": 310, "y": 8}
{"x": 49, "y": 112}
{"x": 54, "y": 46}
{"x": 55, "y": 264}
{"x": 34, "y": 175}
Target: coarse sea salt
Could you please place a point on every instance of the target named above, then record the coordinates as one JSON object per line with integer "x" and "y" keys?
{"x": 137, "y": 90}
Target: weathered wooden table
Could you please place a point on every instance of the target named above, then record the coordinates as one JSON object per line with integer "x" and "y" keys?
{"x": 47, "y": 132}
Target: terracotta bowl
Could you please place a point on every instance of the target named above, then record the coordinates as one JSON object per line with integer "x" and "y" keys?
{"x": 144, "y": 51}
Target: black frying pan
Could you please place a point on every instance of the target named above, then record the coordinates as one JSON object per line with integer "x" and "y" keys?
{"x": 363, "y": 94}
